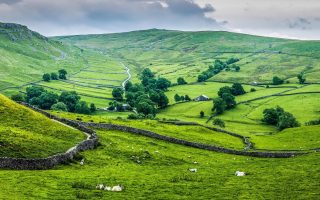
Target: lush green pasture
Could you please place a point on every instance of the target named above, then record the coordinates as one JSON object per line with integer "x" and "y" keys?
{"x": 27, "y": 134}
{"x": 152, "y": 169}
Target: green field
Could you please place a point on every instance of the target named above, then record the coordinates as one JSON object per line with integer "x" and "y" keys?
{"x": 150, "y": 168}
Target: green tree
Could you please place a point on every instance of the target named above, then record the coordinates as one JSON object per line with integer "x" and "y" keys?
{"x": 147, "y": 73}
{"x": 229, "y": 99}
{"x": 63, "y": 74}
{"x": 82, "y": 108}
{"x": 177, "y": 98}
{"x": 54, "y": 76}
{"x": 163, "y": 100}
{"x": 46, "y": 77}
{"x": 219, "y": 105}
{"x": 34, "y": 91}
{"x": 163, "y": 84}
{"x": 202, "y": 78}
{"x": 17, "y": 97}
{"x": 237, "y": 68}
{"x": 225, "y": 89}
{"x": 201, "y": 114}
{"x": 277, "y": 81}
{"x": 59, "y": 107}
{"x": 271, "y": 115}
{"x": 287, "y": 120}
{"x": 70, "y": 99}
{"x": 93, "y": 107}
{"x": 117, "y": 94}
{"x": 218, "y": 122}
{"x": 237, "y": 89}
{"x": 128, "y": 85}
{"x": 47, "y": 99}
{"x": 301, "y": 78}
{"x": 146, "y": 108}
{"x": 187, "y": 98}
{"x": 181, "y": 81}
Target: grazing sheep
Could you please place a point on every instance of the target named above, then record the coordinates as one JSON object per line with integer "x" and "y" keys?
{"x": 117, "y": 188}
{"x": 195, "y": 162}
{"x": 107, "y": 188}
{"x": 193, "y": 170}
{"x": 82, "y": 162}
{"x": 100, "y": 186}
{"x": 238, "y": 173}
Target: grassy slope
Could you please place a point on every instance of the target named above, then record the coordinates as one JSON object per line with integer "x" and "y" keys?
{"x": 27, "y": 134}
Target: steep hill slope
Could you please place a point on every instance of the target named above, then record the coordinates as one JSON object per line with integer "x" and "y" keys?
{"x": 26, "y": 55}
{"x": 177, "y": 53}
{"x": 27, "y": 134}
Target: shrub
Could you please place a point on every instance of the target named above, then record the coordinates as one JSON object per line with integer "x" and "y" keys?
{"x": 218, "y": 122}
{"x": 237, "y": 89}
{"x": 253, "y": 90}
{"x": 46, "y": 77}
{"x": 62, "y": 74}
{"x": 117, "y": 94}
{"x": 313, "y": 122}
{"x": 82, "y": 108}
{"x": 287, "y": 120}
{"x": 201, "y": 114}
{"x": 59, "y": 107}
{"x": 277, "y": 81}
{"x": 181, "y": 81}
{"x": 93, "y": 107}
{"x": 54, "y": 76}
{"x": 17, "y": 97}
{"x": 177, "y": 98}
{"x": 219, "y": 105}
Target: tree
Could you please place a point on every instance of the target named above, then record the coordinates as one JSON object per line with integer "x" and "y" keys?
{"x": 146, "y": 108}
{"x": 93, "y": 107}
{"x": 117, "y": 94}
{"x": 271, "y": 115}
{"x": 163, "y": 84}
{"x": 301, "y": 78}
{"x": 17, "y": 97}
{"x": 128, "y": 86}
{"x": 218, "y": 122}
{"x": 177, "y": 98}
{"x": 147, "y": 73}
{"x": 219, "y": 105}
{"x": 277, "y": 81}
{"x": 62, "y": 74}
{"x": 202, "y": 78}
{"x": 229, "y": 99}
{"x": 201, "y": 114}
{"x": 47, "y": 99}
{"x": 82, "y": 108}
{"x": 70, "y": 99}
{"x": 34, "y": 91}
{"x": 59, "y": 107}
{"x": 54, "y": 76}
{"x": 181, "y": 81}
{"x": 187, "y": 98}
{"x": 182, "y": 98}
{"x": 46, "y": 77}
{"x": 225, "y": 89}
{"x": 163, "y": 100}
{"x": 253, "y": 90}
{"x": 237, "y": 89}
{"x": 237, "y": 68}
{"x": 287, "y": 120}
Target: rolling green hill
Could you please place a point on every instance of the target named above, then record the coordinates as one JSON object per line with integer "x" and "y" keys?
{"x": 27, "y": 134}
{"x": 176, "y": 53}
{"x": 27, "y": 55}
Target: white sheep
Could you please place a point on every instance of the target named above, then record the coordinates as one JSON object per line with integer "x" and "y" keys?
{"x": 100, "y": 186}
{"x": 82, "y": 162}
{"x": 107, "y": 188}
{"x": 117, "y": 188}
{"x": 193, "y": 170}
{"x": 238, "y": 173}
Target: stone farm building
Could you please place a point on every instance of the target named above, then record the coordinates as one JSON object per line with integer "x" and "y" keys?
{"x": 202, "y": 98}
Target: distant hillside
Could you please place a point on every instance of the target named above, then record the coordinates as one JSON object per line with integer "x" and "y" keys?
{"x": 27, "y": 134}
{"x": 177, "y": 53}
{"x": 25, "y": 55}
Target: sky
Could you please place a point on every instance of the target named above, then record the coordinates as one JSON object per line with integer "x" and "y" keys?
{"x": 298, "y": 19}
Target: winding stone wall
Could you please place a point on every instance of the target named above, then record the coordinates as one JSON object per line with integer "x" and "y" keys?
{"x": 192, "y": 144}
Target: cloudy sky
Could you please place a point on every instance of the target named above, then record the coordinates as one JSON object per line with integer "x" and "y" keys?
{"x": 280, "y": 18}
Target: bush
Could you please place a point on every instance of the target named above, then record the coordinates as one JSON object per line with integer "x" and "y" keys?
{"x": 82, "y": 108}
{"x": 181, "y": 81}
{"x": 59, "y": 107}
{"x": 313, "y": 122}
{"x": 218, "y": 122}
{"x": 54, "y": 76}
{"x": 201, "y": 114}
{"x": 93, "y": 107}
{"x": 277, "y": 81}
{"x": 219, "y": 105}
{"x": 17, "y": 97}
{"x": 253, "y": 90}
{"x": 237, "y": 89}
{"x": 280, "y": 118}
{"x": 287, "y": 120}
{"x": 46, "y": 77}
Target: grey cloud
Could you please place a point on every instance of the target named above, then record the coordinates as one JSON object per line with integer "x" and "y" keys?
{"x": 9, "y": 2}
{"x": 109, "y": 15}
{"x": 300, "y": 23}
